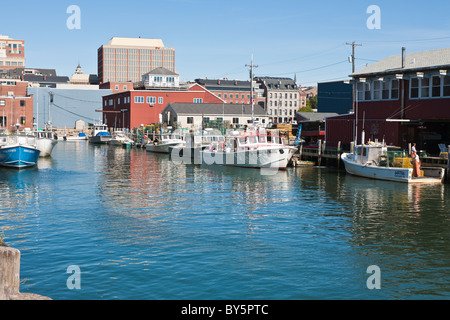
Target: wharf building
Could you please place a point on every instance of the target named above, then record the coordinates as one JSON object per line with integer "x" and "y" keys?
{"x": 143, "y": 106}
{"x": 12, "y": 54}
{"x": 194, "y": 116}
{"x": 401, "y": 99}
{"x": 127, "y": 59}
{"x": 16, "y": 105}
{"x": 234, "y": 91}
{"x": 282, "y": 98}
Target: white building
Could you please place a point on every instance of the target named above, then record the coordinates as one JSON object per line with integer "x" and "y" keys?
{"x": 193, "y": 115}
{"x": 161, "y": 78}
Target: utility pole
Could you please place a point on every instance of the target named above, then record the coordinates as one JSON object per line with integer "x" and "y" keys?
{"x": 355, "y": 102}
{"x": 353, "y": 44}
{"x": 251, "y": 66}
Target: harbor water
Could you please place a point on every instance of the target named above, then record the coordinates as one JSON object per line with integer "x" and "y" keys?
{"x": 139, "y": 226}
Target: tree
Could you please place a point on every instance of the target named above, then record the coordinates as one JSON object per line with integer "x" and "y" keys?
{"x": 311, "y": 104}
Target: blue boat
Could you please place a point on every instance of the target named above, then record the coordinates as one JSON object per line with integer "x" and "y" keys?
{"x": 18, "y": 151}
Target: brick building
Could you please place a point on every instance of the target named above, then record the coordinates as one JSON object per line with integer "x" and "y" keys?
{"x": 16, "y": 106}
{"x": 127, "y": 59}
{"x": 234, "y": 91}
{"x": 12, "y": 54}
{"x": 131, "y": 109}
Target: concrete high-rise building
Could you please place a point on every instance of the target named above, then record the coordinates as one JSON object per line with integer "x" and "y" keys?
{"x": 12, "y": 54}
{"x": 127, "y": 59}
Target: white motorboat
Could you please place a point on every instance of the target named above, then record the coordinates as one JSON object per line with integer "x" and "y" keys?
{"x": 79, "y": 137}
{"x": 372, "y": 161}
{"x": 100, "y": 134}
{"x": 252, "y": 149}
{"x": 165, "y": 141}
{"x": 46, "y": 142}
{"x": 190, "y": 152}
{"x": 119, "y": 138}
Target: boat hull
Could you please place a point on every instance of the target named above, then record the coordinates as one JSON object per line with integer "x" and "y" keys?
{"x": 403, "y": 175}
{"x": 19, "y": 157}
{"x": 100, "y": 139}
{"x": 276, "y": 158}
{"x": 163, "y": 147}
{"x": 46, "y": 146}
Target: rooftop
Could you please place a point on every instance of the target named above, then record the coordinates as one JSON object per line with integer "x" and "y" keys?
{"x": 135, "y": 42}
{"x": 279, "y": 83}
{"x": 432, "y": 59}
{"x": 163, "y": 71}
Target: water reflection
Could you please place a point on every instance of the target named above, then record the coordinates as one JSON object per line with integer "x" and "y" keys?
{"x": 118, "y": 212}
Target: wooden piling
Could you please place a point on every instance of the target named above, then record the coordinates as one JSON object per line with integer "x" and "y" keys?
{"x": 319, "y": 153}
{"x": 338, "y": 155}
{"x": 10, "y": 276}
{"x": 448, "y": 162}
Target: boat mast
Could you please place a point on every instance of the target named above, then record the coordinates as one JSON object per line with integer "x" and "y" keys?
{"x": 251, "y": 66}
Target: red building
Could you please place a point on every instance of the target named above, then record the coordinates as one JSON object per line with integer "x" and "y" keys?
{"x": 15, "y": 105}
{"x": 131, "y": 109}
{"x": 401, "y": 99}
{"x": 234, "y": 91}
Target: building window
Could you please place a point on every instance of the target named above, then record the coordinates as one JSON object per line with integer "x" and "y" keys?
{"x": 235, "y": 120}
{"x": 394, "y": 89}
{"x": 22, "y": 103}
{"x": 385, "y": 90}
{"x": 23, "y": 120}
{"x": 198, "y": 100}
{"x": 190, "y": 120}
{"x": 3, "y": 121}
{"x": 367, "y": 92}
{"x": 447, "y": 86}
{"x": 414, "y": 87}
{"x": 377, "y": 90}
{"x": 151, "y": 100}
{"x": 160, "y": 100}
{"x": 2, "y": 103}
{"x": 138, "y": 99}
{"x": 424, "y": 87}
{"x": 436, "y": 86}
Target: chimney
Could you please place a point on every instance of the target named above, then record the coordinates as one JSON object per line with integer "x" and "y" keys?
{"x": 403, "y": 57}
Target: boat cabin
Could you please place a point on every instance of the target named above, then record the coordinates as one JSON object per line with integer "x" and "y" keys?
{"x": 371, "y": 154}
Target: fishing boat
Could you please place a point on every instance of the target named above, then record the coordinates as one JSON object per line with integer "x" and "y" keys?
{"x": 190, "y": 152}
{"x": 100, "y": 134}
{"x": 46, "y": 142}
{"x": 250, "y": 149}
{"x": 119, "y": 138}
{"x": 372, "y": 160}
{"x": 163, "y": 142}
{"x": 77, "y": 137}
{"x": 18, "y": 150}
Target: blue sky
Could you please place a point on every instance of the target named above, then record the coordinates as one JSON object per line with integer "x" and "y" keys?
{"x": 216, "y": 39}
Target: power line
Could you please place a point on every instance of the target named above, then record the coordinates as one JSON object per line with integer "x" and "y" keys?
{"x": 313, "y": 69}
{"x": 76, "y": 114}
{"x": 410, "y": 40}
{"x": 70, "y": 98}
